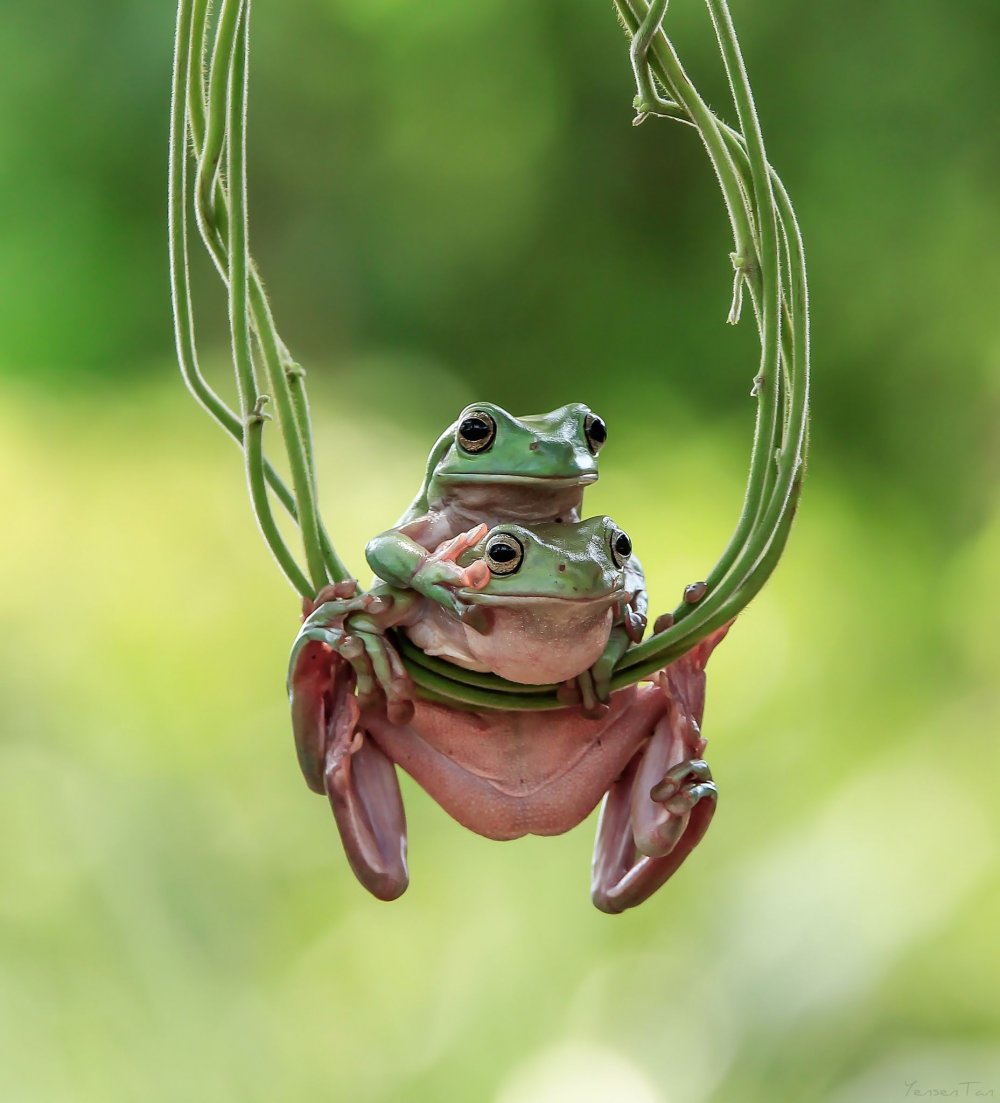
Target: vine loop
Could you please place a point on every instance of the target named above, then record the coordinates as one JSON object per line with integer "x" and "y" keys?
{"x": 208, "y": 123}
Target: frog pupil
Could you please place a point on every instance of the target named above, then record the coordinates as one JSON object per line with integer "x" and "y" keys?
{"x": 623, "y": 546}
{"x": 476, "y": 432}
{"x": 475, "y": 429}
{"x": 504, "y": 555}
{"x": 596, "y": 431}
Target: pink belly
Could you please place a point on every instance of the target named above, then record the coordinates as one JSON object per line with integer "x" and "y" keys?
{"x": 507, "y": 774}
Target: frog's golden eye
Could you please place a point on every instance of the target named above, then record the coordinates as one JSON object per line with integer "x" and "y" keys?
{"x": 595, "y": 431}
{"x": 504, "y": 554}
{"x": 476, "y": 431}
{"x": 621, "y": 548}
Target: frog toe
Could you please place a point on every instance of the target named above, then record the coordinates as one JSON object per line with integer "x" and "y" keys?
{"x": 694, "y": 770}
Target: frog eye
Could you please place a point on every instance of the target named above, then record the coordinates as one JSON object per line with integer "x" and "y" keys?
{"x": 595, "y": 431}
{"x": 621, "y": 548}
{"x": 504, "y": 554}
{"x": 476, "y": 431}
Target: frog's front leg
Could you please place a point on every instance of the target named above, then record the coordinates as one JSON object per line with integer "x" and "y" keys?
{"x": 402, "y": 562}
{"x": 311, "y": 666}
{"x": 354, "y": 628}
{"x": 658, "y": 811}
{"x": 594, "y": 685}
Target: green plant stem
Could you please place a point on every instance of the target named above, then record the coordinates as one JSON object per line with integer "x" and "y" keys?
{"x": 254, "y": 447}
{"x": 641, "y": 666}
{"x": 790, "y": 459}
{"x": 676, "y": 81}
{"x": 302, "y": 478}
{"x": 216, "y": 120}
{"x": 768, "y": 379}
{"x": 772, "y": 490}
{"x": 286, "y": 379}
{"x": 250, "y": 399}
{"x": 666, "y": 65}
{"x": 666, "y": 645}
{"x": 765, "y": 498}
{"x": 180, "y": 284}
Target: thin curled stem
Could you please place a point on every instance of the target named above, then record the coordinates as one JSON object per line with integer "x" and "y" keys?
{"x": 780, "y": 436}
{"x": 203, "y": 112}
{"x": 212, "y": 212}
{"x": 251, "y": 401}
{"x": 180, "y": 285}
{"x": 745, "y": 201}
{"x": 224, "y": 58}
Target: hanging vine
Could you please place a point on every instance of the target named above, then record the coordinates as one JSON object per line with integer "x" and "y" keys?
{"x": 208, "y": 131}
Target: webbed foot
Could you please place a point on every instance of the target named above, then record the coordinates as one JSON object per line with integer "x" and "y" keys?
{"x": 334, "y": 591}
{"x": 438, "y": 576}
{"x": 350, "y": 627}
{"x": 682, "y": 787}
{"x": 639, "y": 848}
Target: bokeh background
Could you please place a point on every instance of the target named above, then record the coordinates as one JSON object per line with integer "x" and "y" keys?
{"x": 449, "y": 203}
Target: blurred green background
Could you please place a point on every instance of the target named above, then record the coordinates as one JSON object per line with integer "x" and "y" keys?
{"x": 449, "y": 203}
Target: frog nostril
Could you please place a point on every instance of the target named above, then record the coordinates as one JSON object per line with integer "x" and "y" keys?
{"x": 562, "y": 567}
{"x": 534, "y": 446}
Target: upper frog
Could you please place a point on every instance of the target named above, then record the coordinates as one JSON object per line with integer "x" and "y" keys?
{"x": 551, "y": 594}
{"x": 487, "y": 468}
{"x": 518, "y": 468}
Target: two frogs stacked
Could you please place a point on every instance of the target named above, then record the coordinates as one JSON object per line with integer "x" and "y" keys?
{"x": 492, "y": 568}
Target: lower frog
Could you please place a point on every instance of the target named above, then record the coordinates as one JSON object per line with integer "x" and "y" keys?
{"x": 542, "y": 603}
{"x": 551, "y": 597}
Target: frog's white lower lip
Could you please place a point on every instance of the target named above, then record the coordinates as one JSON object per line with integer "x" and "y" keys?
{"x": 539, "y": 480}
{"x": 477, "y": 597}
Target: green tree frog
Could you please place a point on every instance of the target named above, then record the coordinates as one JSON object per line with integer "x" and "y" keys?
{"x": 490, "y": 468}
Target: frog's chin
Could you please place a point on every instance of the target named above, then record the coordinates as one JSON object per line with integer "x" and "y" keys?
{"x": 521, "y": 498}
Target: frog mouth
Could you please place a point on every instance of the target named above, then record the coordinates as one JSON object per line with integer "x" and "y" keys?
{"x": 524, "y": 480}
{"x": 478, "y": 597}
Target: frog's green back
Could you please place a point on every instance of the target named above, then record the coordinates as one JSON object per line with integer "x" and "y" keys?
{"x": 420, "y": 504}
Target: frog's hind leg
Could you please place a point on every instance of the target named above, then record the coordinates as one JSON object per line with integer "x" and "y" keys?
{"x": 658, "y": 811}
{"x": 645, "y": 832}
{"x": 310, "y": 687}
{"x": 338, "y": 759}
{"x": 364, "y": 794}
